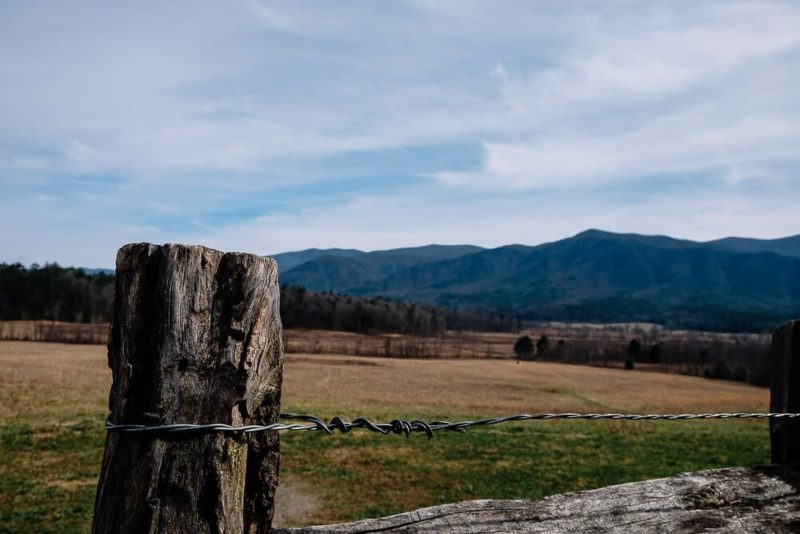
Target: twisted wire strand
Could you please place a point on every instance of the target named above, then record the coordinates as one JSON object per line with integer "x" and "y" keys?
{"x": 400, "y": 426}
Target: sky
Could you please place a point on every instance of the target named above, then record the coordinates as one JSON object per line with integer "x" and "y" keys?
{"x": 265, "y": 127}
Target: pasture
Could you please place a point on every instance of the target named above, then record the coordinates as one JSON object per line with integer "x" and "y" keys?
{"x": 53, "y": 401}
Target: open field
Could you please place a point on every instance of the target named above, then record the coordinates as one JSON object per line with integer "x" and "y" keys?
{"x": 443, "y": 388}
{"x": 53, "y": 402}
{"x": 741, "y": 357}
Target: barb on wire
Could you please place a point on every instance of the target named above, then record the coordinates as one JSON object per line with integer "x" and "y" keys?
{"x": 400, "y": 426}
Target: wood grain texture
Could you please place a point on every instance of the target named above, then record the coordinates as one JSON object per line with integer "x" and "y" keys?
{"x": 196, "y": 338}
{"x": 764, "y": 499}
{"x": 785, "y": 393}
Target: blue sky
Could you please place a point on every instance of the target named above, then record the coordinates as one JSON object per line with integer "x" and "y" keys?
{"x": 272, "y": 126}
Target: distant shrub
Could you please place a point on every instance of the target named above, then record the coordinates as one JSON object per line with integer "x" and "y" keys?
{"x": 655, "y": 353}
{"x": 720, "y": 371}
{"x": 634, "y": 349}
{"x": 542, "y": 344}
{"x": 523, "y": 347}
{"x": 740, "y": 375}
{"x": 629, "y": 365}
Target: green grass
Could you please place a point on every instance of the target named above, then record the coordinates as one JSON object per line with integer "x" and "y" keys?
{"x": 48, "y": 473}
{"x": 47, "y": 470}
{"x": 367, "y": 475}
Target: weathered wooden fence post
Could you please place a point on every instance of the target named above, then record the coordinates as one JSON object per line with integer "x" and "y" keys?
{"x": 196, "y": 338}
{"x": 785, "y": 391}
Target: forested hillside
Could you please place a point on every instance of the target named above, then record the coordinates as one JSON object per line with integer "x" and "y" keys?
{"x": 341, "y": 269}
{"x": 301, "y": 308}
{"x": 727, "y": 285}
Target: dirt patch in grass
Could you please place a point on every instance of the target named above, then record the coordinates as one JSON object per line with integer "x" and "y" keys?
{"x": 72, "y": 485}
{"x": 295, "y": 504}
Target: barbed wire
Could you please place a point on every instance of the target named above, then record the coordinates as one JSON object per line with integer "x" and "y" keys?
{"x": 400, "y": 426}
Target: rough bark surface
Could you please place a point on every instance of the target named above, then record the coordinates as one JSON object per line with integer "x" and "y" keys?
{"x": 196, "y": 338}
{"x": 764, "y": 499}
{"x": 785, "y": 394}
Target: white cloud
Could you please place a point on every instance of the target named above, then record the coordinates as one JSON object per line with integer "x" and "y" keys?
{"x": 689, "y": 142}
{"x": 654, "y": 93}
{"x": 234, "y": 89}
{"x": 151, "y": 121}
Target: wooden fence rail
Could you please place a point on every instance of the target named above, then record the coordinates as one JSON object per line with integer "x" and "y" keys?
{"x": 58, "y": 331}
{"x": 196, "y": 338}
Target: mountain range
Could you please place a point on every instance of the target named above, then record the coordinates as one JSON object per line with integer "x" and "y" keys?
{"x": 731, "y": 284}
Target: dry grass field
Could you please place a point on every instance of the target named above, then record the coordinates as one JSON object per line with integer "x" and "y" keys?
{"x": 52, "y": 381}
{"x": 53, "y": 401}
{"x": 47, "y": 380}
{"x": 362, "y": 384}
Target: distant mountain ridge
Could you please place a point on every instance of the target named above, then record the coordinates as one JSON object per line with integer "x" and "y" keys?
{"x": 786, "y": 246}
{"x": 348, "y": 268}
{"x": 290, "y": 260}
{"x": 733, "y": 283}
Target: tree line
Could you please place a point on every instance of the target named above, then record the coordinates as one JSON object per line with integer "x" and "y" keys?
{"x": 55, "y": 293}
{"x": 742, "y": 361}
{"x": 301, "y": 308}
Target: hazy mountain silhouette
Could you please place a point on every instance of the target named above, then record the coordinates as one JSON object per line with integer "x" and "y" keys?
{"x": 290, "y": 260}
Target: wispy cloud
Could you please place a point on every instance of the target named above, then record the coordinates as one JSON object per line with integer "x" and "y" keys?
{"x": 275, "y": 126}
{"x": 653, "y": 93}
